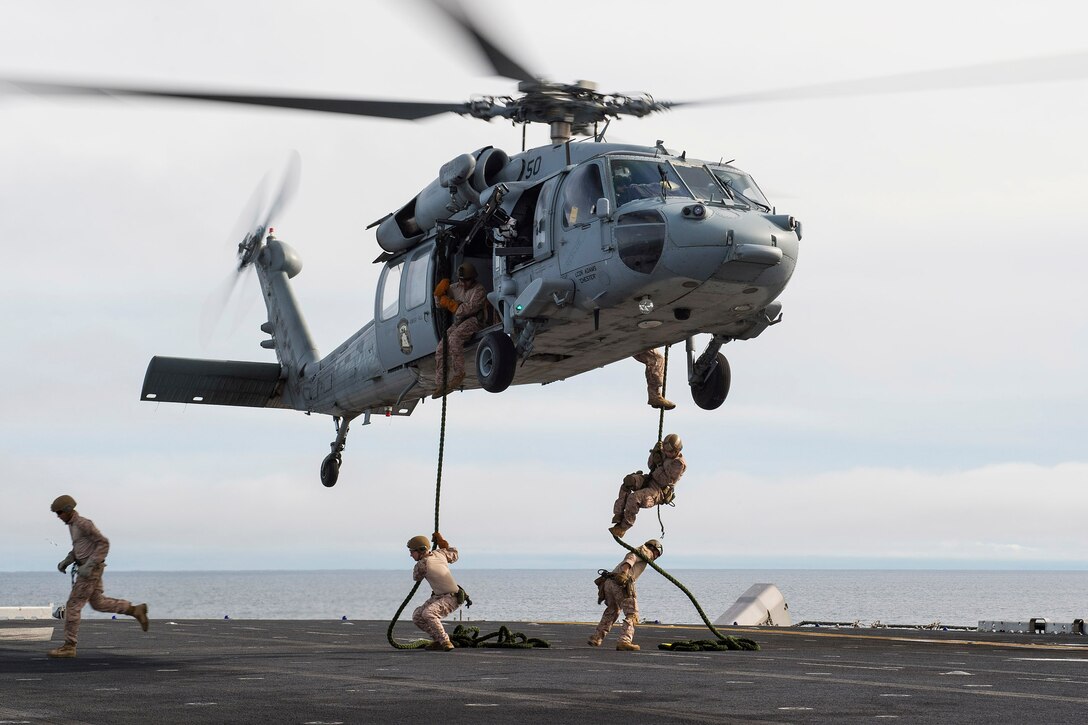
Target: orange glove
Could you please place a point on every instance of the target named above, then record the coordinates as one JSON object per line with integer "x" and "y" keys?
{"x": 442, "y": 287}
{"x": 449, "y": 303}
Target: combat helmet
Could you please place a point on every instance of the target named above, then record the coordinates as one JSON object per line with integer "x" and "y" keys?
{"x": 466, "y": 271}
{"x": 672, "y": 440}
{"x": 419, "y": 543}
{"x": 62, "y": 504}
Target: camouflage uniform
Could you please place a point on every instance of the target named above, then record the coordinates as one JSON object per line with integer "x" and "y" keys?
{"x": 88, "y": 543}
{"x": 619, "y": 598}
{"x": 647, "y": 490}
{"x": 466, "y": 323}
{"x": 655, "y": 369}
{"x": 655, "y": 379}
{"x": 434, "y": 566}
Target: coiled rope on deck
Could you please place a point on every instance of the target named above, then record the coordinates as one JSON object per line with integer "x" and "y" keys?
{"x": 470, "y": 637}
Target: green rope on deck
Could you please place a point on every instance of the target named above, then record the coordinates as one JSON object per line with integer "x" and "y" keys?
{"x": 470, "y": 637}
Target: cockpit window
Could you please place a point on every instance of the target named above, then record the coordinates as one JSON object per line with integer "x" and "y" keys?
{"x": 634, "y": 179}
{"x": 741, "y": 184}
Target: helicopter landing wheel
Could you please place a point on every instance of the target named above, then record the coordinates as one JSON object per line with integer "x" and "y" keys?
{"x": 711, "y": 393}
{"x": 330, "y": 470}
{"x": 496, "y": 361}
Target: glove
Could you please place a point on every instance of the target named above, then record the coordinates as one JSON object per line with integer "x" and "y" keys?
{"x": 449, "y": 303}
{"x": 442, "y": 287}
{"x": 68, "y": 561}
{"x": 439, "y": 542}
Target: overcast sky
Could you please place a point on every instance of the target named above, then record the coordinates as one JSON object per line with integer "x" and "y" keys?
{"x": 921, "y": 405}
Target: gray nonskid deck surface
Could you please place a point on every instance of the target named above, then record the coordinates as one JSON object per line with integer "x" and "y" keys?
{"x": 207, "y": 671}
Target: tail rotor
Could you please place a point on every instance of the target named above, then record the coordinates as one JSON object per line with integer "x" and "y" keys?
{"x": 253, "y": 226}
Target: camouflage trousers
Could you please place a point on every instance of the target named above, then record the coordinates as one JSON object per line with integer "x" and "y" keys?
{"x": 457, "y": 336}
{"x": 429, "y": 615}
{"x": 616, "y": 601}
{"x": 628, "y": 502}
{"x": 88, "y": 590}
{"x": 655, "y": 369}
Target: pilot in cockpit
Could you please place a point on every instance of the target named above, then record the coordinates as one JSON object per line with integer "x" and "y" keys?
{"x": 632, "y": 180}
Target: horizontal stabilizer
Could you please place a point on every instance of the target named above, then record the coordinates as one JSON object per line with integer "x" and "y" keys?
{"x": 212, "y": 382}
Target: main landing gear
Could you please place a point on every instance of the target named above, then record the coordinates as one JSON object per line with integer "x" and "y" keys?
{"x": 330, "y": 466}
{"x": 496, "y": 361}
{"x": 709, "y": 376}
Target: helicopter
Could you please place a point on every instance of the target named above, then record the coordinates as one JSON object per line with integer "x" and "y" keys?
{"x": 578, "y": 275}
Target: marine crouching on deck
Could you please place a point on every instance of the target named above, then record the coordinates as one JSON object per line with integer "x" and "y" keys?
{"x": 446, "y": 595}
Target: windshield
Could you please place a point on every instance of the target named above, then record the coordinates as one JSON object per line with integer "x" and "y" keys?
{"x": 742, "y": 185}
{"x": 634, "y": 179}
{"x": 701, "y": 182}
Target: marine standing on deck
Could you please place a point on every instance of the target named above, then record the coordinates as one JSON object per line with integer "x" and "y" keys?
{"x": 446, "y": 595}
{"x": 643, "y": 490}
{"x": 617, "y": 590}
{"x": 465, "y": 299}
{"x": 89, "y": 550}
{"x": 655, "y": 379}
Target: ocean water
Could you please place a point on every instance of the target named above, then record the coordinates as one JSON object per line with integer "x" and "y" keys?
{"x": 957, "y": 598}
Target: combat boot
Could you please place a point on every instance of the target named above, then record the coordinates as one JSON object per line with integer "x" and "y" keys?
{"x": 456, "y": 380}
{"x": 628, "y": 647}
{"x": 618, "y": 531}
{"x": 594, "y": 641}
{"x": 65, "y": 650}
{"x": 658, "y": 401}
{"x": 140, "y": 613}
{"x": 440, "y": 646}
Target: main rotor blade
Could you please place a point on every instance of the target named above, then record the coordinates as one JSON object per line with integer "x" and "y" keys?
{"x": 405, "y": 110}
{"x": 1026, "y": 70}
{"x": 502, "y": 63}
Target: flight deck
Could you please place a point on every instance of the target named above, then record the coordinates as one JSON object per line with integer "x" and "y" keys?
{"x": 306, "y": 671}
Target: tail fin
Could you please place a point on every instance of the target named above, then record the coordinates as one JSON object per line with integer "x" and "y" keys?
{"x": 276, "y": 263}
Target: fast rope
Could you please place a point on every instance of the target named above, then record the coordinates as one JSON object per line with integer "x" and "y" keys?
{"x": 664, "y": 382}
{"x": 420, "y": 643}
{"x": 723, "y": 642}
{"x": 661, "y": 423}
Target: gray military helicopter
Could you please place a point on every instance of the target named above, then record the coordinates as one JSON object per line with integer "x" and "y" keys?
{"x": 590, "y": 252}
